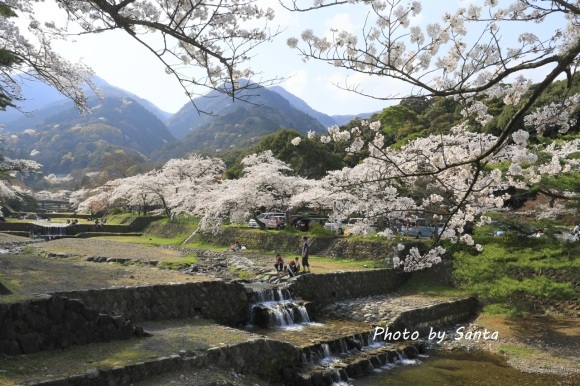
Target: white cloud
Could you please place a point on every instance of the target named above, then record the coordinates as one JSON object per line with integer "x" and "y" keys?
{"x": 298, "y": 83}
{"x": 340, "y": 21}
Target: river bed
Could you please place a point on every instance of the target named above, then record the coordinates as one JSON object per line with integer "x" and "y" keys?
{"x": 459, "y": 368}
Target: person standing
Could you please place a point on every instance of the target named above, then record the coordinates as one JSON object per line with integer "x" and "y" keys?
{"x": 305, "y": 253}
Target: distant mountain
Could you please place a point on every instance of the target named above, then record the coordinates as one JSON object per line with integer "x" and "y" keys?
{"x": 67, "y": 141}
{"x": 125, "y": 125}
{"x": 326, "y": 120}
{"x": 42, "y": 101}
{"x": 261, "y": 111}
{"x": 36, "y": 96}
{"x": 344, "y": 119}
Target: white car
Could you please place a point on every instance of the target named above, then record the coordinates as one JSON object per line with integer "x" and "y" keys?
{"x": 342, "y": 226}
{"x": 336, "y": 226}
{"x": 272, "y": 220}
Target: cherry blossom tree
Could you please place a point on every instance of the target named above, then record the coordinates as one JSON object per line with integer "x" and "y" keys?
{"x": 460, "y": 170}
{"x": 185, "y": 179}
{"x": 172, "y": 189}
{"x": 11, "y": 170}
{"x": 267, "y": 184}
{"x": 30, "y": 55}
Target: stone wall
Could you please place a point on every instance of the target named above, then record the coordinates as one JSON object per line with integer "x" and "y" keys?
{"x": 340, "y": 247}
{"x": 370, "y": 250}
{"x": 216, "y": 300}
{"x": 438, "y": 315}
{"x": 263, "y": 357}
{"x": 51, "y": 322}
{"x": 254, "y": 239}
{"x": 329, "y": 287}
{"x": 136, "y": 225}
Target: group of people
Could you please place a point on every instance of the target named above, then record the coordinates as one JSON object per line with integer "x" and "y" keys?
{"x": 293, "y": 267}
{"x": 236, "y": 247}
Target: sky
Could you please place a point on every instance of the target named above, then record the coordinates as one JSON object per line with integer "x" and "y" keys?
{"x": 124, "y": 63}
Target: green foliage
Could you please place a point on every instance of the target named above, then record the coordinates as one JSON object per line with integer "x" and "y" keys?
{"x": 444, "y": 114}
{"x": 397, "y": 122}
{"x": 319, "y": 230}
{"x": 418, "y": 104}
{"x": 513, "y": 271}
{"x": 311, "y": 158}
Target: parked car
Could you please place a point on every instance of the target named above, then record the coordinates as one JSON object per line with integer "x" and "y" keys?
{"x": 356, "y": 220}
{"x": 421, "y": 227}
{"x": 272, "y": 220}
{"x": 336, "y": 226}
{"x": 306, "y": 223}
{"x": 275, "y": 221}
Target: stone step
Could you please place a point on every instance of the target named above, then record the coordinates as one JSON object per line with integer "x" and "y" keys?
{"x": 171, "y": 345}
{"x": 320, "y": 246}
{"x": 354, "y": 364}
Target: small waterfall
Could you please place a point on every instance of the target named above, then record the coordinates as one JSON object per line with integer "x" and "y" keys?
{"x": 326, "y": 349}
{"x": 270, "y": 295}
{"x": 343, "y": 346}
{"x": 276, "y": 308}
{"x": 340, "y": 369}
{"x": 49, "y": 231}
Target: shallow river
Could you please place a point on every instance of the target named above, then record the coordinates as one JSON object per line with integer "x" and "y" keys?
{"x": 446, "y": 368}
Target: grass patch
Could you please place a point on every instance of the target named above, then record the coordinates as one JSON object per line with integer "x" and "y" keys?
{"x": 326, "y": 264}
{"x": 169, "y": 338}
{"x": 241, "y": 274}
{"x": 121, "y": 219}
{"x": 169, "y": 232}
{"x": 516, "y": 351}
{"x": 8, "y": 299}
{"x": 502, "y": 309}
{"x": 422, "y": 283}
{"x": 128, "y": 239}
{"x": 157, "y": 240}
{"x": 209, "y": 247}
{"x": 178, "y": 263}
{"x": 513, "y": 272}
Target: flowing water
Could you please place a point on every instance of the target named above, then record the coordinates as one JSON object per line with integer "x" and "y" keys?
{"x": 451, "y": 368}
{"x": 459, "y": 368}
{"x": 276, "y": 308}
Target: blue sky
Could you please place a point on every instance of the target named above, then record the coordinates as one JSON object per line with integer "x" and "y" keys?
{"x": 124, "y": 63}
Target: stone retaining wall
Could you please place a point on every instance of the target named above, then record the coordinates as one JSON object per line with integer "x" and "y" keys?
{"x": 136, "y": 225}
{"x": 290, "y": 243}
{"x": 216, "y": 300}
{"x": 254, "y": 239}
{"x": 52, "y": 322}
{"x": 329, "y": 287}
{"x": 438, "y": 315}
{"x": 263, "y": 357}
